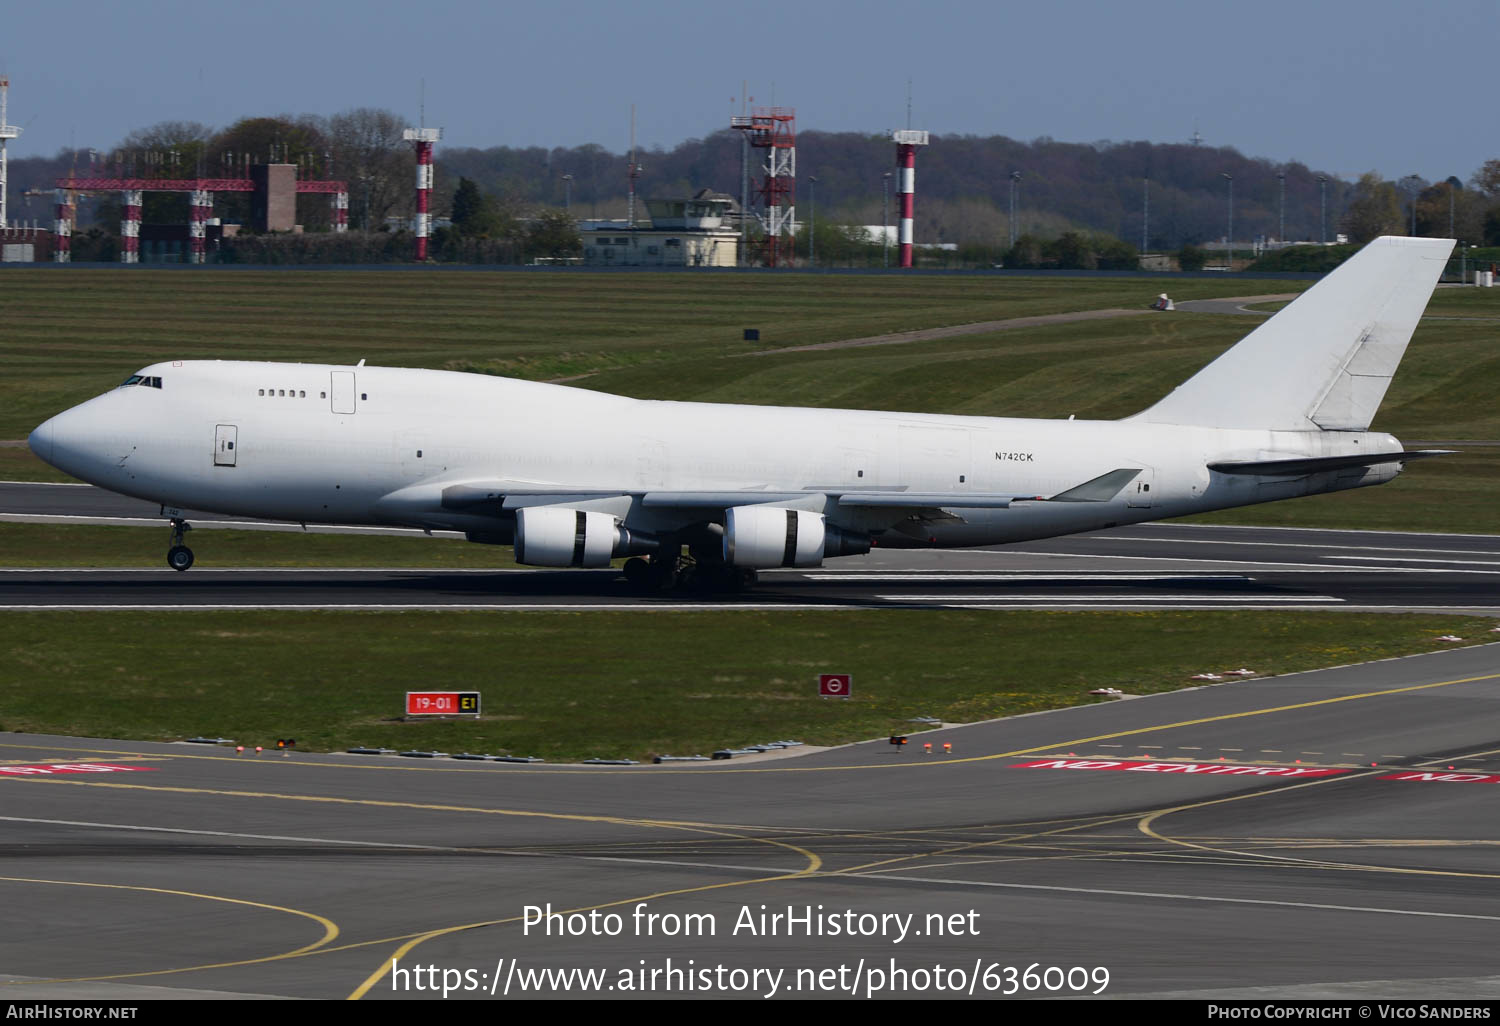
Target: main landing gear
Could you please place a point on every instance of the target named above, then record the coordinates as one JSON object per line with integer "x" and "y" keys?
{"x": 179, "y": 556}
{"x": 667, "y": 574}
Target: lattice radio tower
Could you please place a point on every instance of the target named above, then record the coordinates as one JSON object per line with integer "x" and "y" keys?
{"x": 774, "y": 130}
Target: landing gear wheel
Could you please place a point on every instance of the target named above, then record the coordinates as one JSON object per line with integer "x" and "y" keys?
{"x": 638, "y": 572}
{"x": 718, "y": 579}
{"x": 179, "y": 557}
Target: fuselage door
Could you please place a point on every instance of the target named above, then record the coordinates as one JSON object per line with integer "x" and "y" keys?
{"x": 341, "y": 391}
{"x": 225, "y": 435}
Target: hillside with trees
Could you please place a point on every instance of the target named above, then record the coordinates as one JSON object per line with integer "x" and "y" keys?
{"x": 1075, "y": 202}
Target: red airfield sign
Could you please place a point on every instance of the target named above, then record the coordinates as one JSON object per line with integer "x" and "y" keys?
{"x": 835, "y": 685}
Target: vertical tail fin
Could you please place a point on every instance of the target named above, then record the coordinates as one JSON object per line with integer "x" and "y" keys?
{"x": 1326, "y": 360}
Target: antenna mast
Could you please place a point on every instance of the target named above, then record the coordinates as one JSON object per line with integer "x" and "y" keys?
{"x": 633, "y": 172}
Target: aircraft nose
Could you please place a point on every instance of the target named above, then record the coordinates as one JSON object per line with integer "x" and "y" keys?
{"x": 75, "y": 441}
{"x": 41, "y": 441}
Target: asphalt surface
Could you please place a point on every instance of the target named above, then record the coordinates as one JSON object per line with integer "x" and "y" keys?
{"x": 1260, "y": 847}
{"x": 1148, "y": 566}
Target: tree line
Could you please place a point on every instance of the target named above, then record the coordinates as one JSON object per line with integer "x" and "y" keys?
{"x": 1076, "y": 204}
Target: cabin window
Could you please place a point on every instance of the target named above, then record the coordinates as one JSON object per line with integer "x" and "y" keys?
{"x": 322, "y": 395}
{"x": 960, "y": 479}
{"x": 419, "y": 454}
{"x": 262, "y": 391}
{"x": 364, "y": 395}
{"x": 301, "y": 394}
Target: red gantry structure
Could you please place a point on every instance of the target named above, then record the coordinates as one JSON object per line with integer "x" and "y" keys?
{"x": 774, "y": 129}
{"x": 422, "y": 220}
{"x": 200, "y": 198}
{"x": 907, "y": 140}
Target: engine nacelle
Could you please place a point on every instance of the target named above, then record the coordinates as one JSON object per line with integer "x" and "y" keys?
{"x": 552, "y": 536}
{"x": 765, "y": 536}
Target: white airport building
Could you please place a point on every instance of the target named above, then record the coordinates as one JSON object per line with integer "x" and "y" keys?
{"x": 683, "y": 233}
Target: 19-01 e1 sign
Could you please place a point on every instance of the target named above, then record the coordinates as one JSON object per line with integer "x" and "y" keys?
{"x": 442, "y": 703}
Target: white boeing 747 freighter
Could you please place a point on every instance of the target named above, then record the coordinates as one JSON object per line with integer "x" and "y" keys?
{"x": 574, "y": 478}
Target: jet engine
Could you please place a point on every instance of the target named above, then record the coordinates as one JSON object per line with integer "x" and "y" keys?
{"x": 765, "y": 536}
{"x": 552, "y": 536}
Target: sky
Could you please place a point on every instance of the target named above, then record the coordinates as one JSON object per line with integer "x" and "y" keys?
{"x": 1342, "y": 86}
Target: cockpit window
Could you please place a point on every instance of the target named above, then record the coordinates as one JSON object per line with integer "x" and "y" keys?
{"x": 144, "y": 380}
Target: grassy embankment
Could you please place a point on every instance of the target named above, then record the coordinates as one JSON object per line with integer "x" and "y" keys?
{"x": 571, "y": 686}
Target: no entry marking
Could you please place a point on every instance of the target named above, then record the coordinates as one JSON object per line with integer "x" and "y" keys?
{"x": 47, "y": 769}
{"x": 1223, "y": 769}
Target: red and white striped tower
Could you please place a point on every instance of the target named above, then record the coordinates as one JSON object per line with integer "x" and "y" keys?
{"x": 130, "y": 226}
{"x": 62, "y": 228}
{"x": 774, "y": 129}
{"x": 422, "y": 221}
{"x": 340, "y": 203}
{"x": 907, "y": 140}
{"x": 200, "y": 206}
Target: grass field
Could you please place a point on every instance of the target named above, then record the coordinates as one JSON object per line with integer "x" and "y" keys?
{"x": 571, "y": 686}
{"x": 71, "y": 334}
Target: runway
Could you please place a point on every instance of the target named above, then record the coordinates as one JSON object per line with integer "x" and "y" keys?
{"x": 1147, "y": 566}
{"x": 1320, "y": 834}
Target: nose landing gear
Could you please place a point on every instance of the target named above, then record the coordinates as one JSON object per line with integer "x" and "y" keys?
{"x": 179, "y": 556}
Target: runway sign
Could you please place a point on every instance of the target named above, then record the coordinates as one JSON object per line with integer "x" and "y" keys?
{"x": 442, "y": 703}
{"x": 71, "y": 767}
{"x": 835, "y": 685}
{"x": 1181, "y": 768}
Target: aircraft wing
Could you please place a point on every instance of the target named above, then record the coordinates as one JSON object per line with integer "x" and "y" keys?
{"x": 1315, "y": 464}
{"x": 498, "y": 498}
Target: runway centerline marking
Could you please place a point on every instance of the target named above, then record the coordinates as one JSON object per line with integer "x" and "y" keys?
{"x": 1288, "y": 545}
{"x": 1403, "y": 559}
{"x": 1181, "y": 897}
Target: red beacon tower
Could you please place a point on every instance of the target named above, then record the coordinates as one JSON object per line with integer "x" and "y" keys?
{"x": 907, "y": 140}
{"x": 424, "y": 138}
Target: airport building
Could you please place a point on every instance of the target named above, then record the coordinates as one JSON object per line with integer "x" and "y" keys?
{"x": 690, "y": 232}
{"x": 23, "y": 245}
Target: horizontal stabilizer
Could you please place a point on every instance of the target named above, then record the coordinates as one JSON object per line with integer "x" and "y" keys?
{"x": 1317, "y": 464}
